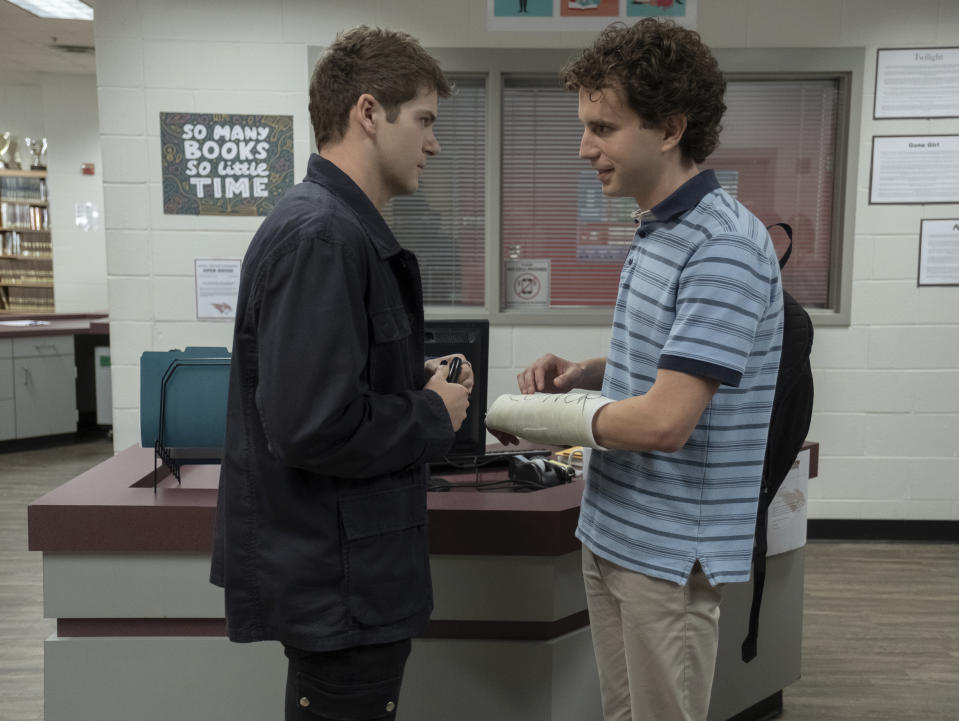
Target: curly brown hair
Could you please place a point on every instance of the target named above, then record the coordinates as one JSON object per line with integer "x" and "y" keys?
{"x": 663, "y": 70}
{"x": 389, "y": 65}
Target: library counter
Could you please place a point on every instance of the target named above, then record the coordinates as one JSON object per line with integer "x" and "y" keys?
{"x": 140, "y": 629}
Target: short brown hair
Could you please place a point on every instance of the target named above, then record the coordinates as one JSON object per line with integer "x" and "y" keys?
{"x": 391, "y": 66}
{"x": 663, "y": 70}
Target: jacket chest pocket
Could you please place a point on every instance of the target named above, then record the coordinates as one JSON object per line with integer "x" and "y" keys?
{"x": 390, "y": 369}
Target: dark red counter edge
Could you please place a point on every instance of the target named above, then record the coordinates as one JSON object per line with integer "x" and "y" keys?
{"x": 112, "y": 508}
{"x": 216, "y": 627}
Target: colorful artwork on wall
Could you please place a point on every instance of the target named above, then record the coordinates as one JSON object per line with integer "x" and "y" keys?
{"x": 219, "y": 164}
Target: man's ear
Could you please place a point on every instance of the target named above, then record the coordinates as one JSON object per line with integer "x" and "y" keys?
{"x": 365, "y": 111}
{"x": 674, "y": 127}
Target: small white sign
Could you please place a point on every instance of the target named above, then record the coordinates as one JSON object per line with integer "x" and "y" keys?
{"x": 527, "y": 283}
{"x": 786, "y": 522}
{"x": 217, "y": 287}
{"x": 915, "y": 169}
{"x": 917, "y": 83}
{"x": 939, "y": 252}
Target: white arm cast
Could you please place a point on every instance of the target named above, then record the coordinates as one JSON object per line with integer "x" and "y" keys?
{"x": 564, "y": 419}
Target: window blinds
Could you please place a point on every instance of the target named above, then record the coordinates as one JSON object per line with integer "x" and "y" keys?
{"x": 552, "y": 205}
{"x": 780, "y": 136}
{"x": 777, "y": 155}
{"x": 443, "y": 223}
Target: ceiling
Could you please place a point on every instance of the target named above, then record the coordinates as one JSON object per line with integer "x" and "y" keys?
{"x": 29, "y": 44}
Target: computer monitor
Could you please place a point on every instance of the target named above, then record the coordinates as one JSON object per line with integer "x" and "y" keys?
{"x": 471, "y": 338}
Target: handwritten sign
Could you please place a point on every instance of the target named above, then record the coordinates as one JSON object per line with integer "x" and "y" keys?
{"x": 216, "y": 164}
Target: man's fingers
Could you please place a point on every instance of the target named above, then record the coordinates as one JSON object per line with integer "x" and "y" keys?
{"x": 564, "y": 381}
{"x": 539, "y": 378}
{"x": 467, "y": 379}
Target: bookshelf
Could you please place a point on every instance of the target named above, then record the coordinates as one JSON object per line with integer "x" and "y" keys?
{"x": 26, "y": 251}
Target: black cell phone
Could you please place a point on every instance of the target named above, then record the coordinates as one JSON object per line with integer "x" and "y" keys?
{"x": 454, "y": 374}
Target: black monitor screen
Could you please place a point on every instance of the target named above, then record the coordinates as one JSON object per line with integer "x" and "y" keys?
{"x": 471, "y": 338}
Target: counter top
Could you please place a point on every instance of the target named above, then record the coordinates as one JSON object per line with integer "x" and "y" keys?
{"x": 55, "y": 324}
{"x": 113, "y": 508}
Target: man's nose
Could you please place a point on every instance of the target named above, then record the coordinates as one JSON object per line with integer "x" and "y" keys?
{"x": 586, "y": 148}
{"x": 432, "y": 145}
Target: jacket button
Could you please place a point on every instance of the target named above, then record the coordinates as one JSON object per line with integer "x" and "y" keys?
{"x": 390, "y": 706}
{"x": 304, "y": 702}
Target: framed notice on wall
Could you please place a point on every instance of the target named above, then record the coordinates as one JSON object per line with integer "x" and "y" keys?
{"x": 217, "y": 164}
{"x": 527, "y": 284}
{"x": 917, "y": 83}
{"x": 939, "y": 252}
{"x": 914, "y": 169}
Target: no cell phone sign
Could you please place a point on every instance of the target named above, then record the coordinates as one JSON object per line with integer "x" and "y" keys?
{"x": 527, "y": 283}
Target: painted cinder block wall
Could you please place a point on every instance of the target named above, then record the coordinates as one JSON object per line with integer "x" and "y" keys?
{"x": 887, "y": 412}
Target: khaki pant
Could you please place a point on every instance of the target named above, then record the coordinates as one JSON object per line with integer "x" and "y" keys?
{"x": 655, "y": 642}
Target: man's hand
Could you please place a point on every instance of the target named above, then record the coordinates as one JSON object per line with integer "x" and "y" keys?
{"x": 455, "y": 396}
{"x": 551, "y": 374}
{"x": 466, "y": 370}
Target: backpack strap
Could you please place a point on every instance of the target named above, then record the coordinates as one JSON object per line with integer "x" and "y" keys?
{"x": 750, "y": 645}
{"x": 789, "y": 234}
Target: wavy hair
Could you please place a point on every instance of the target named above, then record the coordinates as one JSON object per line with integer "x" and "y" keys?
{"x": 663, "y": 70}
{"x": 389, "y": 65}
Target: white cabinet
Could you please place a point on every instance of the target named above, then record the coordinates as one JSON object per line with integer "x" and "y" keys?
{"x": 8, "y": 422}
{"x": 37, "y": 387}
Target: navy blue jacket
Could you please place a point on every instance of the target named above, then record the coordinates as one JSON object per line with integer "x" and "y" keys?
{"x": 321, "y": 538}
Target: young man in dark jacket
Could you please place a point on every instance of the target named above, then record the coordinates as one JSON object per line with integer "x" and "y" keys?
{"x": 321, "y": 521}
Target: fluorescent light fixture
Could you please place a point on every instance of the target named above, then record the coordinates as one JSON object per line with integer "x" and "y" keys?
{"x": 60, "y": 9}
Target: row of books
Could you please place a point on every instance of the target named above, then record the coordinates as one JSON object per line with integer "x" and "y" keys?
{"x": 26, "y": 300}
{"x": 25, "y": 217}
{"x": 28, "y": 246}
{"x": 25, "y": 271}
{"x": 23, "y": 189}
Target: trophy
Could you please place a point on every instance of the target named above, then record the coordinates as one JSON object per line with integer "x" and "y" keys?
{"x": 8, "y": 151}
{"x": 38, "y": 153}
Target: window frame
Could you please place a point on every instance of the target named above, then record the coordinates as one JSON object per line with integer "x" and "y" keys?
{"x": 846, "y": 65}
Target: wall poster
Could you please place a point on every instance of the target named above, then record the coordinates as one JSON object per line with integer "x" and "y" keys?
{"x": 218, "y": 164}
{"x": 563, "y": 15}
{"x": 917, "y": 83}
{"x": 939, "y": 252}
{"x": 217, "y": 287}
{"x": 914, "y": 169}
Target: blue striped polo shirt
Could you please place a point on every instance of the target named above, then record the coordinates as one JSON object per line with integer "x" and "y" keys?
{"x": 699, "y": 293}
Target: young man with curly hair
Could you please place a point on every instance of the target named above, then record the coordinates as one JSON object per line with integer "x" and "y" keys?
{"x": 670, "y": 502}
{"x": 320, "y": 538}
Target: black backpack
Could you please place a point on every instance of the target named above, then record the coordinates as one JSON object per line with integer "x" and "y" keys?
{"x": 788, "y": 426}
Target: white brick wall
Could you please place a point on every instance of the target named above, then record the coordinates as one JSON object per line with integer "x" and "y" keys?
{"x": 888, "y": 386}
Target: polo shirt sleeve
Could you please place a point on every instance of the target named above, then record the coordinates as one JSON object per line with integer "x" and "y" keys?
{"x": 722, "y": 297}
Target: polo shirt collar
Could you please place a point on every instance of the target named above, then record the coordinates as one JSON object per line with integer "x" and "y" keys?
{"x": 322, "y": 171}
{"x": 686, "y": 197}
